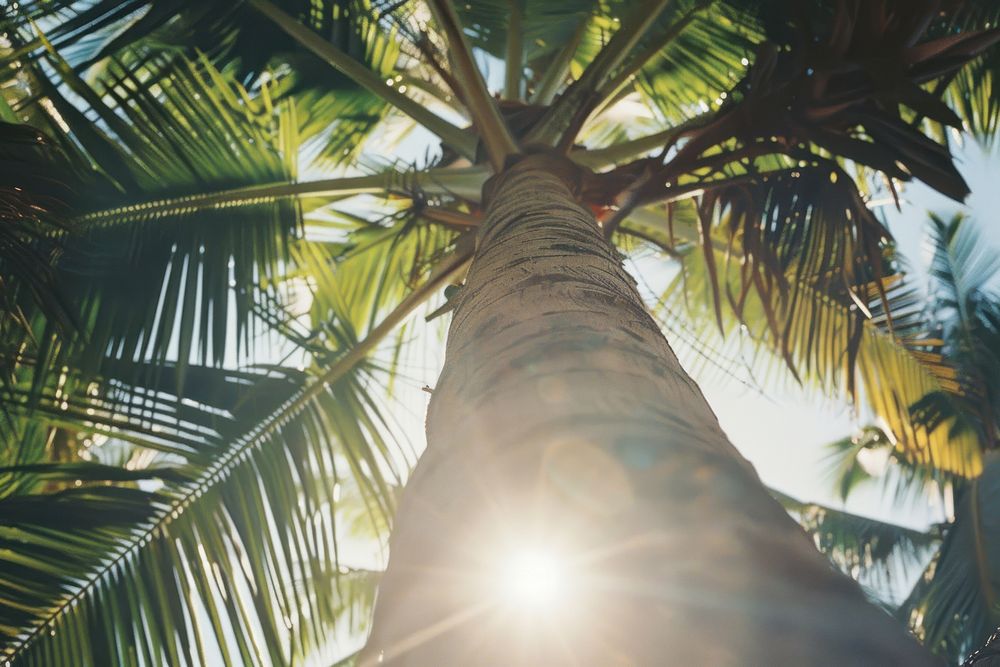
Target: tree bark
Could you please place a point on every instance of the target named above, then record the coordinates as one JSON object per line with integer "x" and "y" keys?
{"x": 563, "y": 420}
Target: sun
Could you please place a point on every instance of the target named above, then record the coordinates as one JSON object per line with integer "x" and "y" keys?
{"x": 533, "y": 578}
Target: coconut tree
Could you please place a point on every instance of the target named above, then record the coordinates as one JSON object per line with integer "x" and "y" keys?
{"x": 193, "y": 165}
{"x": 951, "y": 606}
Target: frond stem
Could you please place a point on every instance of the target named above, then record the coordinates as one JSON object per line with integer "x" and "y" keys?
{"x": 458, "y": 182}
{"x": 486, "y": 116}
{"x": 609, "y": 89}
{"x": 606, "y": 157}
{"x": 515, "y": 53}
{"x": 450, "y": 217}
{"x": 558, "y": 69}
{"x": 582, "y": 95}
{"x": 454, "y": 136}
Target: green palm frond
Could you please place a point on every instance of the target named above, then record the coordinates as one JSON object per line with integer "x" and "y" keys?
{"x": 963, "y": 308}
{"x": 961, "y": 313}
{"x": 688, "y": 77}
{"x": 962, "y": 266}
{"x": 876, "y": 553}
{"x": 833, "y": 334}
{"x": 390, "y": 257}
{"x": 973, "y": 92}
{"x": 975, "y": 96}
{"x": 953, "y": 607}
{"x": 115, "y": 267}
{"x": 233, "y": 33}
{"x": 168, "y": 268}
{"x": 252, "y": 521}
{"x": 238, "y": 39}
{"x": 36, "y": 193}
{"x": 545, "y": 27}
{"x": 326, "y": 439}
{"x": 870, "y": 457}
{"x": 846, "y": 468}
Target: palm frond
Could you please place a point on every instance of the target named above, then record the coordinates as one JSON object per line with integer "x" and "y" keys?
{"x": 253, "y": 521}
{"x": 953, "y": 607}
{"x": 375, "y": 266}
{"x": 963, "y": 306}
{"x": 871, "y": 458}
{"x": 975, "y": 96}
{"x": 973, "y": 93}
{"x": 878, "y": 554}
{"x": 236, "y": 37}
{"x": 831, "y": 333}
{"x": 371, "y": 81}
{"x": 846, "y": 466}
{"x": 173, "y": 285}
{"x": 36, "y": 195}
{"x": 687, "y": 77}
{"x": 248, "y": 539}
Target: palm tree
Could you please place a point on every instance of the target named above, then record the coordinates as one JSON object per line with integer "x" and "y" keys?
{"x": 951, "y": 606}
{"x": 166, "y": 506}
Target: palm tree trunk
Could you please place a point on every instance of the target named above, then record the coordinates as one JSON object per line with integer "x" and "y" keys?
{"x": 563, "y": 421}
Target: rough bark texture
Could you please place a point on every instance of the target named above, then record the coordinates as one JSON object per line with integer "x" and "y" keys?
{"x": 563, "y": 418}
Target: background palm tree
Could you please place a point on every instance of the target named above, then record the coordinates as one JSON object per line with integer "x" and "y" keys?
{"x": 185, "y": 450}
{"x": 950, "y": 606}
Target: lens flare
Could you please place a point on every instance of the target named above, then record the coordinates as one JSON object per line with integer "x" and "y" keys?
{"x": 533, "y": 578}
